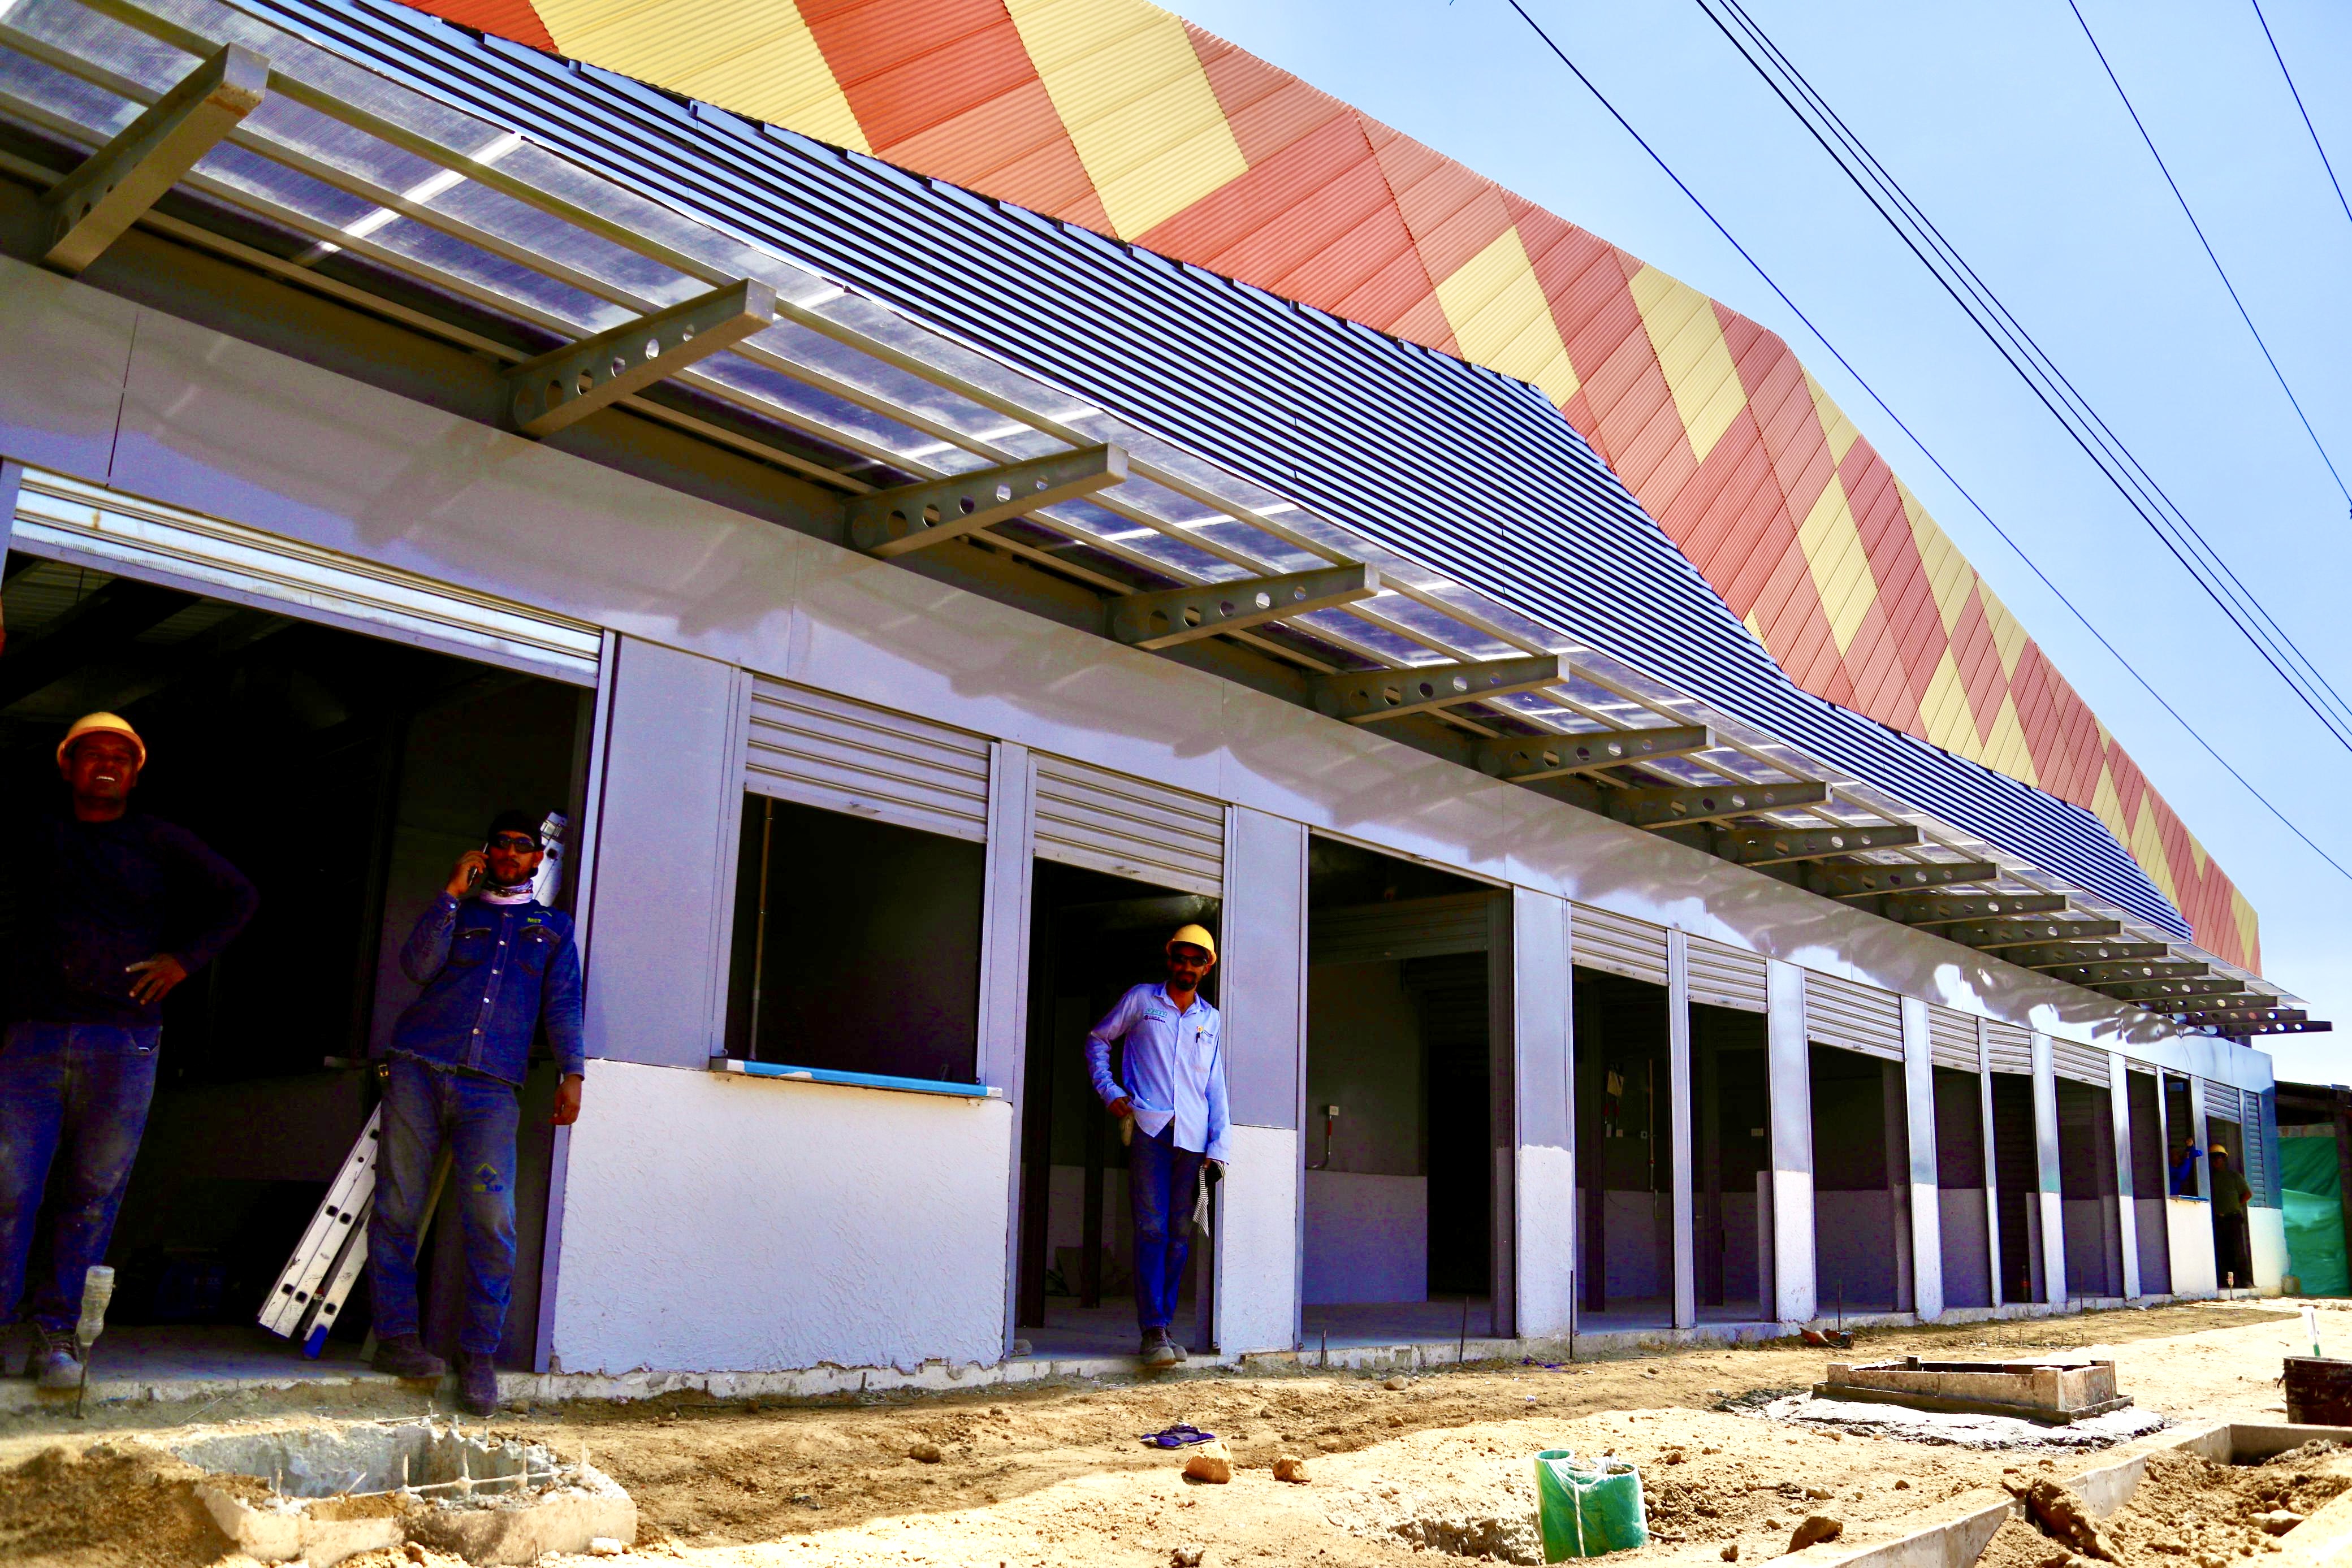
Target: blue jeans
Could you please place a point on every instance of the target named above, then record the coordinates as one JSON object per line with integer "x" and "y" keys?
{"x": 424, "y": 1110}
{"x": 73, "y": 1105}
{"x": 1161, "y": 1182}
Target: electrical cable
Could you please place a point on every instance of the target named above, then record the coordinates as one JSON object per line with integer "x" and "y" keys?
{"x": 2219, "y": 271}
{"x": 2297, "y": 93}
{"x": 2065, "y": 402}
{"x": 2190, "y": 731}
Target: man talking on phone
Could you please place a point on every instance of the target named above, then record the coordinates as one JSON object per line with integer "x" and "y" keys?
{"x": 496, "y": 965}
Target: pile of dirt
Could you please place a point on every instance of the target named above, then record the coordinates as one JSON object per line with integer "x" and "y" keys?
{"x": 2188, "y": 1512}
{"x": 110, "y": 1506}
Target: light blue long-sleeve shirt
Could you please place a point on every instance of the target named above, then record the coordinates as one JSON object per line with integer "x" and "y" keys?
{"x": 1175, "y": 1066}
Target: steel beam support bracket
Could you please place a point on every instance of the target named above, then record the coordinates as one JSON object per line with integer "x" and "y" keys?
{"x": 2231, "y": 1018}
{"x": 565, "y": 385}
{"x": 1864, "y": 880}
{"x": 1166, "y": 617}
{"x": 2110, "y": 974}
{"x": 911, "y": 517}
{"x": 1365, "y": 697}
{"x": 1668, "y": 807}
{"x": 91, "y": 208}
{"x": 2073, "y": 955}
{"x": 1523, "y": 759}
{"x": 1913, "y": 911}
{"x": 2146, "y": 991}
{"x": 2030, "y": 933}
{"x": 1780, "y": 846}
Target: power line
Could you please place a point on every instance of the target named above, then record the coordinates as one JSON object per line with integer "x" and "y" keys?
{"x": 2042, "y": 375}
{"x": 1667, "y": 168}
{"x": 2295, "y": 93}
{"x": 2219, "y": 271}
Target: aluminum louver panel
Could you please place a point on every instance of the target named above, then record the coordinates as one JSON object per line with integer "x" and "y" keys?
{"x": 1727, "y": 978}
{"x": 827, "y": 752}
{"x": 1952, "y": 1039}
{"x": 2083, "y": 1063}
{"x": 1130, "y": 827}
{"x": 1409, "y": 928}
{"x": 1854, "y": 1017}
{"x": 2223, "y": 1099}
{"x": 1620, "y": 944}
{"x": 118, "y": 533}
{"x": 2008, "y": 1047}
{"x": 2257, "y": 1146}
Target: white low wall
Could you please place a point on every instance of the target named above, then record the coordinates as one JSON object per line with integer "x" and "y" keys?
{"x": 1367, "y": 1237}
{"x": 718, "y": 1223}
{"x": 1545, "y": 1201}
{"x": 2267, "y": 1236}
{"x": 1258, "y": 1253}
{"x": 2189, "y": 1234}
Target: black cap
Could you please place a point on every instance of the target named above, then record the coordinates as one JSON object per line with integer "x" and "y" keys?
{"x": 515, "y": 823}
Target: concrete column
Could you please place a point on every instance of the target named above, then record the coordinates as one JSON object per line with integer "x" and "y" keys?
{"x": 1790, "y": 1073}
{"x": 1679, "y": 1125}
{"x": 1543, "y": 1027}
{"x": 1991, "y": 1179}
{"x": 1927, "y": 1204}
{"x": 1004, "y": 978}
{"x": 2045, "y": 1142}
{"x": 1264, "y": 996}
{"x": 2127, "y": 1213}
{"x": 2202, "y": 1137}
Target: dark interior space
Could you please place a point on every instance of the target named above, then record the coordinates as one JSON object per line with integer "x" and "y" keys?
{"x": 1732, "y": 1091}
{"x": 1626, "y": 1263}
{"x": 1862, "y": 1183}
{"x": 1404, "y": 1094}
{"x": 2087, "y": 1189}
{"x": 2149, "y": 1220}
{"x": 1961, "y": 1189}
{"x": 856, "y": 944}
{"x": 343, "y": 775}
{"x": 1091, "y": 936}
{"x": 2180, "y": 1136}
{"x": 2017, "y": 1174}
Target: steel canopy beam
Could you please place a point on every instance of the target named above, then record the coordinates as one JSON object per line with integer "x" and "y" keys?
{"x": 2030, "y": 933}
{"x": 2067, "y": 955}
{"x": 91, "y": 208}
{"x": 1668, "y": 807}
{"x": 2146, "y": 991}
{"x": 565, "y": 385}
{"x": 909, "y": 517}
{"x": 1170, "y": 616}
{"x": 1915, "y": 911}
{"x": 2107, "y": 974}
{"x": 1780, "y": 846}
{"x": 1523, "y": 759}
{"x": 1365, "y": 697}
{"x": 2298, "y": 1025}
{"x": 1860, "y": 879}
{"x": 2231, "y": 1018}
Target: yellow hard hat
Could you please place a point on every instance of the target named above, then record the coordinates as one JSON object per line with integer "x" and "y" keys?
{"x": 1195, "y": 937}
{"x": 101, "y": 723}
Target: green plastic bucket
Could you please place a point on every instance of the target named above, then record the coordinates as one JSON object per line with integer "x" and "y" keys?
{"x": 1588, "y": 1508}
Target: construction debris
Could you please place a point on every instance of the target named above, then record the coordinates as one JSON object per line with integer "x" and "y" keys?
{"x": 1290, "y": 1467}
{"x": 1210, "y": 1462}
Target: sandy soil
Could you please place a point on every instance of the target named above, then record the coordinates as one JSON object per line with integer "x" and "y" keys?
{"x": 1439, "y": 1465}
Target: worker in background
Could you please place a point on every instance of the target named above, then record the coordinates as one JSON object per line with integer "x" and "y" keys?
{"x": 2232, "y": 1252}
{"x": 114, "y": 909}
{"x": 2184, "y": 1171}
{"x": 1175, "y": 1096}
{"x": 496, "y": 965}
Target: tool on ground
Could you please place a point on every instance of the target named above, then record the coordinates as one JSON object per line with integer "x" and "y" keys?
{"x": 97, "y": 1289}
{"x": 2311, "y": 1326}
{"x": 1588, "y": 1508}
{"x": 1180, "y": 1435}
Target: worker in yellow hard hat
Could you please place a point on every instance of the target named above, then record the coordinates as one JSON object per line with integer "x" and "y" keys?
{"x": 2233, "y": 1253}
{"x": 1174, "y": 1089}
{"x": 114, "y": 909}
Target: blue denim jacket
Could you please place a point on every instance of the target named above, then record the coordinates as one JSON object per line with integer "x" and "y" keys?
{"x": 491, "y": 974}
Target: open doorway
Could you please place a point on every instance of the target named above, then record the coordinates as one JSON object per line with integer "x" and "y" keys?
{"x": 1091, "y": 935}
{"x": 1626, "y": 1263}
{"x": 2088, "y": 1190}
{"x": 1730, "y": 1087}
{"x": 2150, "y": 1230}
{"x": 2017, "y": 1176}
{"x": 1962, "y": 1223}
{"x": 342, "y": 774}
{"x": 1862, "y": 1183}
{"x": 1408, "y": 1124}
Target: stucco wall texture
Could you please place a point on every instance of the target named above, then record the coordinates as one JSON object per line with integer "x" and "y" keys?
{"x": 1125, "y": 119}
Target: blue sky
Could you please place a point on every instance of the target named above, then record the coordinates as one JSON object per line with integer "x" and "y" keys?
{"x": 1997, "y": 120}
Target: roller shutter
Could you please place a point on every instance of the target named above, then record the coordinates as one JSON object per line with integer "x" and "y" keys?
{"x": 1598, "y": 939}
{"x": 1727, "y": 978}
{"x": 1952, "y": 1039}
{"x": 1854, "y": 1017}
{"x": 1408, "y": 928}
{"x": 1128, "y": 826}
{"x": 2083, "y": 1063}
{"x": 2008, "y": 1047}
{"x": 841, "y": 755}
{"x": 67, "y": 520}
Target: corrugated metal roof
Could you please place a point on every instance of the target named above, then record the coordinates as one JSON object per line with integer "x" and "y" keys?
{"x": 1465, "y": 470}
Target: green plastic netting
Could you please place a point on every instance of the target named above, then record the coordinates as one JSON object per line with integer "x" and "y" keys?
{"x": 2315, "y": 1216}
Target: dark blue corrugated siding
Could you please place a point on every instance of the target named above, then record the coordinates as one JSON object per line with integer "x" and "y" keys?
{"x": 1468, "y": 472}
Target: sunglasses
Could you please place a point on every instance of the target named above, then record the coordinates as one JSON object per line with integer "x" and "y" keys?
{"x": 515, "y": 841}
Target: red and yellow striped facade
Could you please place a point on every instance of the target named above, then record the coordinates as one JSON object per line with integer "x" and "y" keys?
{"x": 1121, "y": 117}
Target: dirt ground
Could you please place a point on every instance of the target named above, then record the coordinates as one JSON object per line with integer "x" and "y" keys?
{"x": 1440, "y": 1465}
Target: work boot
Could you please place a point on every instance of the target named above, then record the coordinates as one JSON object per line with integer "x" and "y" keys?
{"x": 477, "y": 1383}
{"x": 56, "y": 1361}
{"x": 1158, "y": 1350}
{"x": 404, "y": 1355}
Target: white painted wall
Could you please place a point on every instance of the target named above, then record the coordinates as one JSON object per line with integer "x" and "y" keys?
{"x": 2188, "y": 1233}
{"x": 1547, "y": 1212}
{"x": 2266, "y": 1233}
{"x": 1257, "y": 1256}
{"x": 714, "y": 1222}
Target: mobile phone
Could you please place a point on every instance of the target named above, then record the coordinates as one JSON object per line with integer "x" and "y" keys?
{"x": 474, "y": 872}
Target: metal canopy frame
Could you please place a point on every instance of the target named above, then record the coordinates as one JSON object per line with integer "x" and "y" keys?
{"x": 353, "y": 182}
